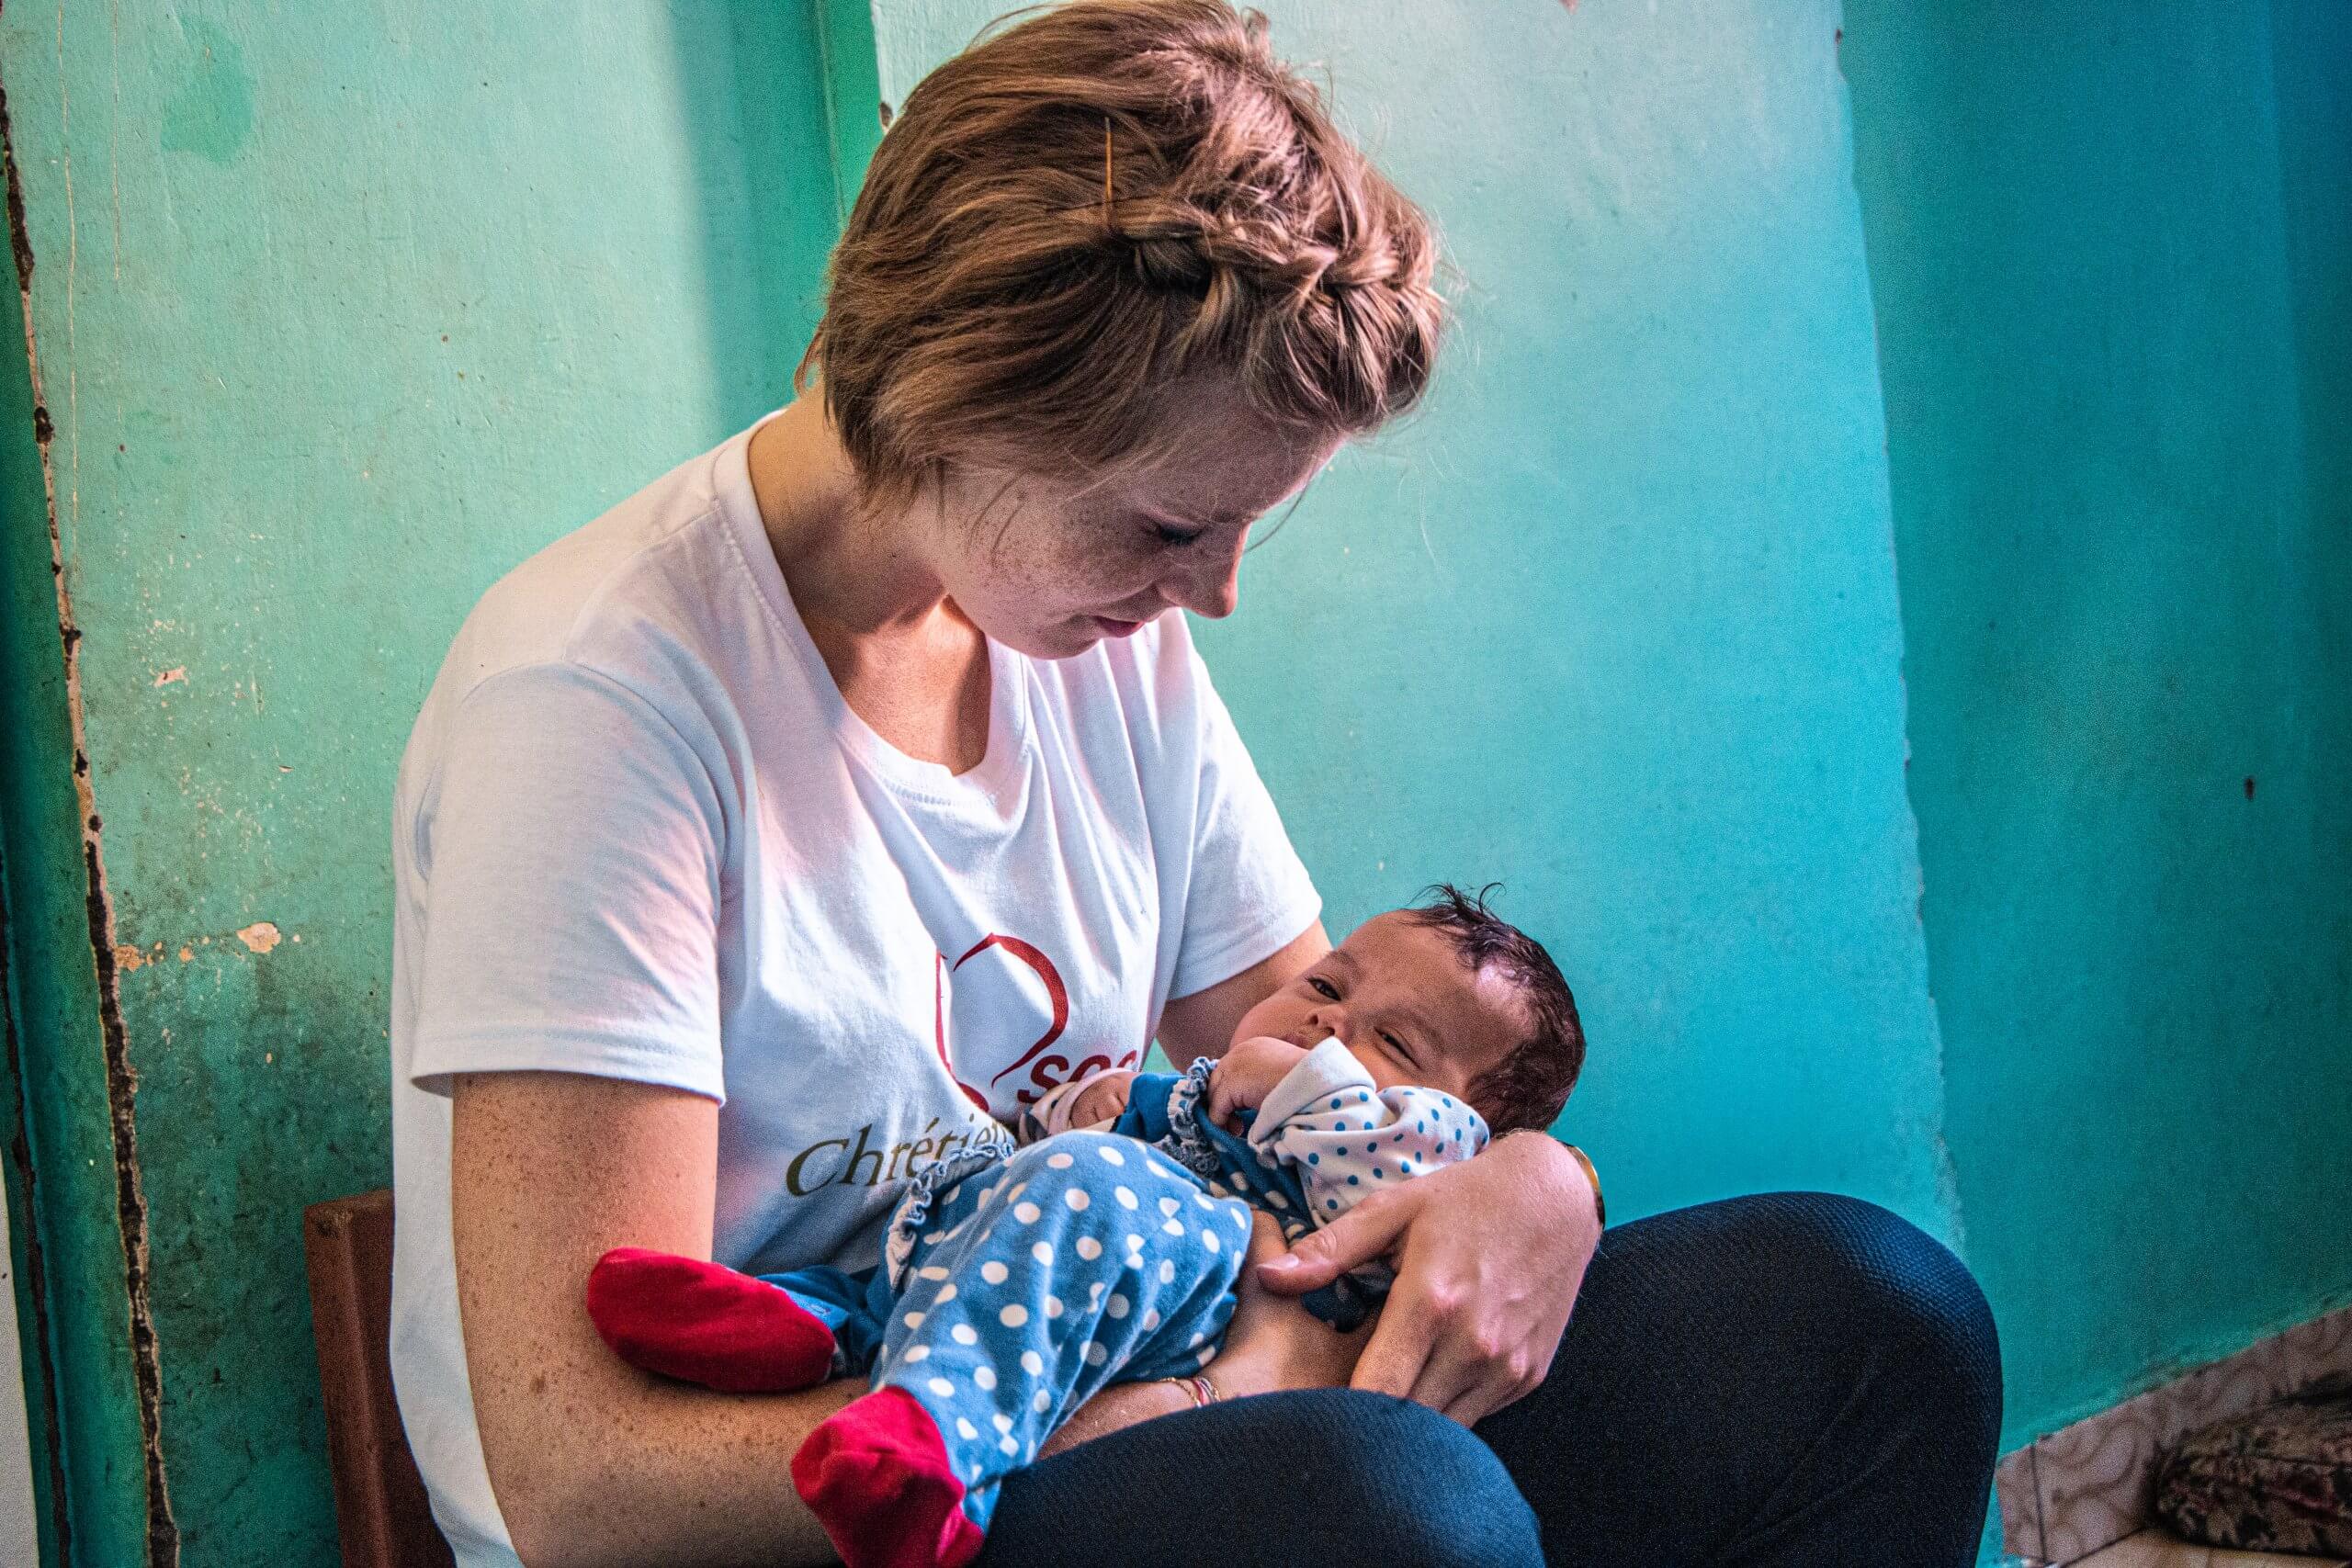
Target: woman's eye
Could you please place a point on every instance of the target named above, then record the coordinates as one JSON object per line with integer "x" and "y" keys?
{"x": 1178, "y": 538}
{"x": 1323, "y": 988}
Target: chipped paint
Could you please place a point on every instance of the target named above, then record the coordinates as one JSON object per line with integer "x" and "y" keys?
{"x": 34, "y": 1323}
{"x": 230, "y": 452}
{"x": 161, "y": 1534}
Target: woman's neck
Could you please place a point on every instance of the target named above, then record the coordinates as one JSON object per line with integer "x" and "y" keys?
{"x": 901, "y": 654}
{"x": 854, "y": 572}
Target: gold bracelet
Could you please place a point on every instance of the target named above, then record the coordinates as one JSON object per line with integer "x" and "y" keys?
{"x": 1599, "y": 1209}
{"x": 1204, "y": 1392}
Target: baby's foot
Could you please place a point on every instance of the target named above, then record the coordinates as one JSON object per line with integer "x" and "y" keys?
{"x": 877, "y": 1477}
{"x": 705, "y": 1323}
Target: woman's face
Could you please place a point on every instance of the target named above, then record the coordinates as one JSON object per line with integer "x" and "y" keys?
{"x": 1044, "y": 568}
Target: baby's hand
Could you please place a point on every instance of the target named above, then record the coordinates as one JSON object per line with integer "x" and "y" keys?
{"x": 1246, "y": 1075}
{"x": 1105, "y": 1099}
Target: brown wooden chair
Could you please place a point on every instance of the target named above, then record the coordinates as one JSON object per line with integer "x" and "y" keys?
{"x": 379, "y": 1505}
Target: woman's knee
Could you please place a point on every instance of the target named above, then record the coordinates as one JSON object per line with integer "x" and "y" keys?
{"x": 1894, "y": 1287}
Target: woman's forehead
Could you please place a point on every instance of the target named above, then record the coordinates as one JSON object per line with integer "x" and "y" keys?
{"x": 1224, "y": 462}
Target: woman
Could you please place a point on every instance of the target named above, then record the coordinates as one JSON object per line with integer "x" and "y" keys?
{"x": 765, "y": 840}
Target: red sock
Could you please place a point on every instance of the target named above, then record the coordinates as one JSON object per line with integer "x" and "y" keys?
{"x": 878, "y": 1479}
{"x": 705, "y": 1323}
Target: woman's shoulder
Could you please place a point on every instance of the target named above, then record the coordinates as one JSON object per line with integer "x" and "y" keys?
{"x": 652, "y": 604}
{"x": 659, "y": 586}
{"x": 662, "y": 558}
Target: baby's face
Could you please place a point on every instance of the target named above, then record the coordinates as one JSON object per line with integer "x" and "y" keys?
{"x": 1399, "y": 998}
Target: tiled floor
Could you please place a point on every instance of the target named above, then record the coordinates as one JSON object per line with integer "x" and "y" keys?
{"x": 2069, "y": 1494}
{"x": 2155, "y": 1548}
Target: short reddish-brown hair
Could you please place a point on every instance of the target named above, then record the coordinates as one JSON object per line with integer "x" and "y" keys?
{"x": 1082, "y": 208}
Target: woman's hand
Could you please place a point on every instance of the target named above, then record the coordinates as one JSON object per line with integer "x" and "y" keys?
{"x": 1489, "y": 1254}
{"x": 1274, "y": 1343}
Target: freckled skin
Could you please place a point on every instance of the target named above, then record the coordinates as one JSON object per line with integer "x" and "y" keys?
{"x": 899, "y": 606}
{"x": 1032, "y": 563}
{"x": 549, "y": 1170}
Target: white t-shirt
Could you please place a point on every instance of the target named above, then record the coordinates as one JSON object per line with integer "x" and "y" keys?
{"x": 637, "y": 834}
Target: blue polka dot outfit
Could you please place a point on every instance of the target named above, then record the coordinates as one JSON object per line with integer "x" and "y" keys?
{"x": 1015, "y": 1289}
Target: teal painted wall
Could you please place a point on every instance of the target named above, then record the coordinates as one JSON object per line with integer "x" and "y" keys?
{"x": 1614, "y": 619}
{"x": 2113, "y": 271}
{"x": 337, "y": 314}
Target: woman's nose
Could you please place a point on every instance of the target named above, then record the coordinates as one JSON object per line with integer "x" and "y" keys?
{"x": 1212, "y": 588}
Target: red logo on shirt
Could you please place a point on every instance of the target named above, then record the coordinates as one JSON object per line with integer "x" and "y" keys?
{"x": 1045, "y": 1071}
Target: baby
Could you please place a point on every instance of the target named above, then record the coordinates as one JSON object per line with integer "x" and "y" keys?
{"x": 1016, "y": 1287}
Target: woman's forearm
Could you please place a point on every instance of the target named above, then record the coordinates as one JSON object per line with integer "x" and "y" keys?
{"x": 592, "y": 1461}
{"x": 655, "y": 1473}
{"x": 1120, "y": 1406}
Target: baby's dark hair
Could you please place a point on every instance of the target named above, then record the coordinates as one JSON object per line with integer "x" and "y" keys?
{"x": 1527, "y": 1086}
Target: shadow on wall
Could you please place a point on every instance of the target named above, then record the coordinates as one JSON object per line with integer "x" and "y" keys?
{"x": 2111, "y": 254}
{"x": 755, "y": 88}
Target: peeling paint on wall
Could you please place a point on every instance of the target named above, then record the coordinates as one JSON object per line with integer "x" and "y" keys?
{"x": 277, "y": 497}
{"x": 163, "y": 1540}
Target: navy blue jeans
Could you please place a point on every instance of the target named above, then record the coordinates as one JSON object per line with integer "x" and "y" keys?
{"x": 1789, "y": 1380}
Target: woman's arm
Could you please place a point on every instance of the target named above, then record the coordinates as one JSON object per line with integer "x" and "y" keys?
{"x": 591, "y": 1461}
{"x": 1483, "y": 1288}
{"x": 1489, "y": 1254}
{"x": 594, "y": 1461}
{"x": 1202, "y": 1023}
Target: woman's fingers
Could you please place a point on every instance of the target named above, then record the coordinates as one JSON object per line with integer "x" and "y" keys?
{"x": 1399, "y": 1349}
{"x": 1468, "y": 1387}
{"x": 1365, "y": 1231}
{"x": 1274, "y": 1342}
{"x": 1431, "y": 1348}
{"x": 1459, "y": 1359}
{"x": 1482, "y": 1291}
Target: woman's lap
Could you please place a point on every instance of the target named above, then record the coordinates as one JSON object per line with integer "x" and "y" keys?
{"x": 1790, "y": 1378}
{"x": 1793, "y": 1378}
{"x": 1325, "y": 1478}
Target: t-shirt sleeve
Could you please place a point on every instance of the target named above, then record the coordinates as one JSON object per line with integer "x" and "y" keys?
{"x": 1248, "y": 892}
{"x": 571, "y": 850}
